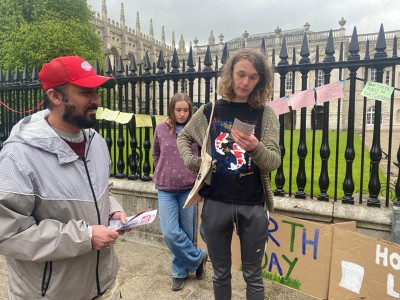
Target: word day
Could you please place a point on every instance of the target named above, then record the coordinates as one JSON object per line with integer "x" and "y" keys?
{"x": 300, "y": 243}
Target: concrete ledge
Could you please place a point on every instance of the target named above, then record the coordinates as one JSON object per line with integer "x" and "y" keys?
{"x": 317, "y": 211}
{"x": 136, "y": 195}
{"x": 372, "y": 221}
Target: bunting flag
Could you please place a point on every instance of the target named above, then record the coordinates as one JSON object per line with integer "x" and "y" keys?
{"x": 109, "y": 115}
{"x": 99, "y": 113}
{"x": 378, "y": 91}
{"x": 143, "y": 120}
{"x": 113, "y": 115}
{"x": 160, "y": 118}
{"x": 302, "y": 99}
{"x": 329, "y": 92}
{"x": 124, "y": 117}
{"x": 280, "y": 106}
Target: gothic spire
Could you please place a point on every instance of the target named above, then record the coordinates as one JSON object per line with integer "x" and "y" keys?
{"x": 151, "y": 33}
{"x": 173, "y": 40}
{"x": 163, "y": 36}
{"x": 122, "y": 14}
{"x": 182, "y": 45}
{"x": 104, "y": 10}
{"x": 137, "y": 23}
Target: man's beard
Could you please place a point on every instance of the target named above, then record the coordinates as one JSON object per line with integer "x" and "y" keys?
{"x": 78, "y": 119}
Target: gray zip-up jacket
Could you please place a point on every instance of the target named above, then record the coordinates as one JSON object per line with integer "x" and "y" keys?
{"x": 48, "y": 198}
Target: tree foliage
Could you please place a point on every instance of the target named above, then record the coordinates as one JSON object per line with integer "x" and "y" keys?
{"x": 33, "y": 32}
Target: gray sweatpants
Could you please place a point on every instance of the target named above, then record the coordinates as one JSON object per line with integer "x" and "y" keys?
{"x": 251, "y": 223}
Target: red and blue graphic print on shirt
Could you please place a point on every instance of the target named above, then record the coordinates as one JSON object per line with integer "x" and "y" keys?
{"x": 228, "y": 157}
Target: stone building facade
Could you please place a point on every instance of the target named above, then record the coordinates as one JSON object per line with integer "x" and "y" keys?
{"x": 120, "y": 40}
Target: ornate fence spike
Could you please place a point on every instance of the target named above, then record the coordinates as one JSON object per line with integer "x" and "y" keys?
{"x": 304, "y": 51}
{"x": 108, "y": 69}
{"x": 380, "y": 44}
{"x": 283, "y": 55}
{"x": 207, "y": 60}
{"x": 146, "y": 64}
{"x": 225, "y": 55}
{"x": 175, "y": 62}
{"x": 132, "y": 66}
{"x": 25, "y": 74}
{"x": 329, "y": 49}
{"x": 190, "y": 62}
{"x": 120, "y": 67}
{"x": 160, "y": 63}
{"x": 354, "y": 47}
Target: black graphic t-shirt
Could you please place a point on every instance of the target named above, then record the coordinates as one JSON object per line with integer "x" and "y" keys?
{"x": 235, "y": 177}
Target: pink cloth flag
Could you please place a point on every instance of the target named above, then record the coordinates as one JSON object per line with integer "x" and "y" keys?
{"x": 280, "y": 106}
{"x": 302, "y": 99}
{"x": 329, "y": 92}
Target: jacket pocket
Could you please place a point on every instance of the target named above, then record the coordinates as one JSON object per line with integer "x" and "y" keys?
{"x": 48, "y": 269}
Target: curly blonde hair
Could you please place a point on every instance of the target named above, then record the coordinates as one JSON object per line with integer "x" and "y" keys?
{"x": 262, "y": 91}
{"x": 171, "y": 109}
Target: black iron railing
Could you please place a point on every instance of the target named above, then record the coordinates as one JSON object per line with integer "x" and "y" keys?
{"x": 145, "y": 88}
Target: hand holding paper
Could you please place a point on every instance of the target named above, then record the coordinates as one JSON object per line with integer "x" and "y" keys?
{"x": 142, "y": 218}
{"x": 247, "y": 129}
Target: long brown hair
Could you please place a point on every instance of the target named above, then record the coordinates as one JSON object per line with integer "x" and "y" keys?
{"x": 171, "y": 109}
{"x": 262, "y": 91}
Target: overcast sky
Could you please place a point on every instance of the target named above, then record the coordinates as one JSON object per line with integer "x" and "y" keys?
{"x": 232, "y": 17}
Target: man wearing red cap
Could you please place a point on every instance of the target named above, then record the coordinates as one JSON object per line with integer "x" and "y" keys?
{"x": 55, "y": 204}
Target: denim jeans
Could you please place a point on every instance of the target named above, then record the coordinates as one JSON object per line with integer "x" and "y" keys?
{"x": 178, "y": 227}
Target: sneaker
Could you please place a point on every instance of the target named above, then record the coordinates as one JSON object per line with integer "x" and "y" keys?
{"x": 201, "y": 269}
{"x": 177, "y": 284}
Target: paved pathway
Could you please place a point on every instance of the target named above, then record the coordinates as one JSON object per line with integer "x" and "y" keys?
{"x": 145, "y": 275}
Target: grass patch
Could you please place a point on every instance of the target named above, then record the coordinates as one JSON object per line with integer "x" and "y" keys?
{"x": 293, "y": 283}
{"x": 340, "y": 148}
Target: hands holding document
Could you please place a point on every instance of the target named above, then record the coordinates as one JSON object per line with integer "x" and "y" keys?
{"x": 242, "y": 134}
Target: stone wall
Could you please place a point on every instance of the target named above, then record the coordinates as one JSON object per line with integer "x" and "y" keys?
{"x": 137, "y": 195}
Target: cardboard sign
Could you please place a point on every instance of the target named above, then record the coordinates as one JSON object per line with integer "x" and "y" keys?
{"x": 298, "y": 253}
{"x": 363, "y": 267}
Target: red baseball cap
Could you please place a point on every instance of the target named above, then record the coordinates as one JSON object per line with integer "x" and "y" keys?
{"x": 74, "y": 70}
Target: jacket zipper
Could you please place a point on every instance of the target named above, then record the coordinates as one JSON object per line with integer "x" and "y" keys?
{"x": 97, "y": 208}
{"x": 48, "y": 269}
{"x": 98, "y": 222}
